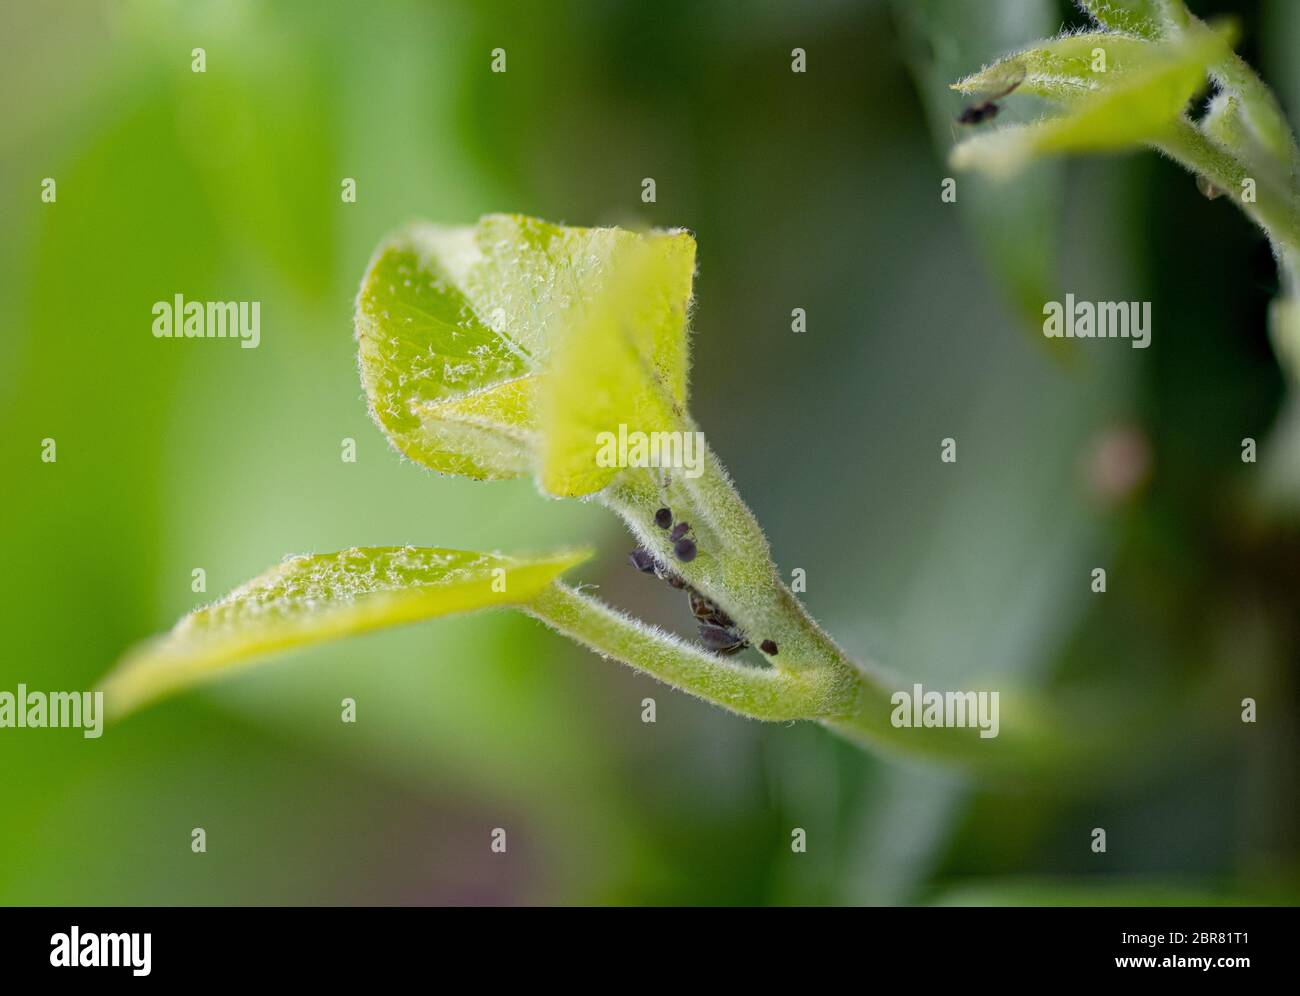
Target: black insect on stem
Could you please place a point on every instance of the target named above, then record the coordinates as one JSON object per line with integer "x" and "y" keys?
{"x": 987, "y": 109}
{"x": 975, "y": 114}
{"x": 642, "y": 560}
{"x": 718, "y": 631}
{"x": 722, "y": 639}
{"x": 671, "y": 579}
{"x": 663, "y": 518}
{"x": 706, "y": 609}
{"x": 683, "y": 546}
{"x": 768, "y": 647}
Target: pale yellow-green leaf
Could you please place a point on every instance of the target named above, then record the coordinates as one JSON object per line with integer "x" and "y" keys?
{"x": 1148, "y": 18}
{"x": 457, "y": 327}
{"x": 314, "y": 598}
{"x": 611, "y": 366}
{"x": 1142, "y": 107}
{"x": 422, "y": 342}
{"x": 1064, "y": 69}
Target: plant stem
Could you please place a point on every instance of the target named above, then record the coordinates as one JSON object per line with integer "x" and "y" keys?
{"x": 846, "y": 702}
{"x": 759, "y": 693}
{"x": 809, "y": 677}
{"x": 1275, "y": 206}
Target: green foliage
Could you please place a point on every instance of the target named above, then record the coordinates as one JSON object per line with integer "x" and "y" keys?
{"x": 495, "y": 350}
{"x": 1140, "y": 101}
{"x": 491, "y": 350}
{"x": 311, "y": 599}
{"x": 618, "y": 351}
{"x": 227, "y": 185}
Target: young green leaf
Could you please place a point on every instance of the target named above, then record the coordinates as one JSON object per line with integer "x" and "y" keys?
{"x": 312, "y": 599}
{"x": 423, "y": 346}
{"x": 617, "y": 363}
{"x": 1142, "y": 107}
{"x": 1151, "y": 19}
{"x": 458, "y": 328}
{"x": 1064, "y": 69}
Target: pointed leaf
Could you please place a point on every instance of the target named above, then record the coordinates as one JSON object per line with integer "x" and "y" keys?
{"x": 315, "y": 598}
{"x": 608, "y": 373}
{"x": 1064, "y": 69}
{"x": 1142, "y": 107}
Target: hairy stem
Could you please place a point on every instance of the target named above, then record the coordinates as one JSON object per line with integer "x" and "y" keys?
{"x": 759, "y": 693}
{"x": 1275, "y": 206}
{"x": 808, "y": 676}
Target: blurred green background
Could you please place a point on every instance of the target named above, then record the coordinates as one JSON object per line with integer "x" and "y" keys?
{"x": 816, "y": 190}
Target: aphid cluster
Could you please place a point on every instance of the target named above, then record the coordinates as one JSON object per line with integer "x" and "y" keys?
{"x": 683, "y": 546}
{"x": 718, "y": 631}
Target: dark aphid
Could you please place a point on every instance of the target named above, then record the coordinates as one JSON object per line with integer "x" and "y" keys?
{"x": 987, "y": 109}
{"x": 663, "y": 518}
{"x": 644, "y": 561}
{"x": 671, "y": 578}
{"x": 707, "y": 610}
{"x": 975, "y": 114}
{"x": 718, "y": 631}
{"x": 722, "y": 639}
{"x": 768, "y": 647}
{"x": 679, "y": 530}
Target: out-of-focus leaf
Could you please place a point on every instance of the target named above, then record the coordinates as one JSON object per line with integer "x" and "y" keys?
{"x": 1064, "y": 69}
{"x": 311, "y": 599}
{"x": 459, "y": 329}
{"x": 1155, "y": 19}
{"x": 1142, "y": 107}
{"x": 1150, "y": 19}
{"x": 1284, "y": 323}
